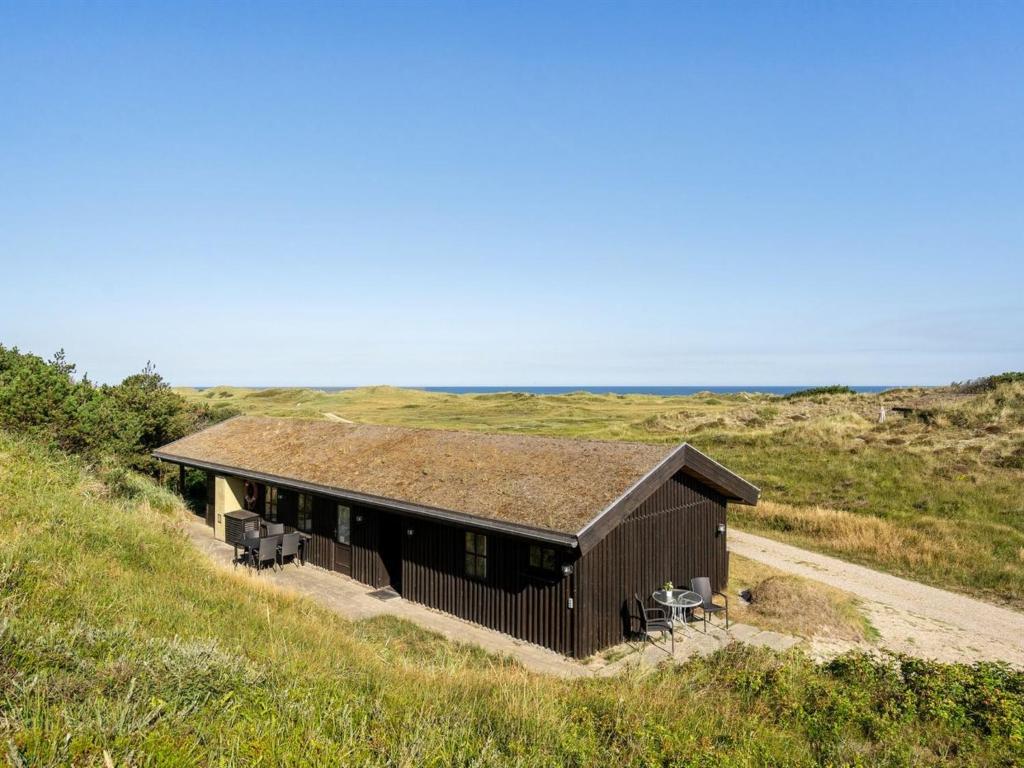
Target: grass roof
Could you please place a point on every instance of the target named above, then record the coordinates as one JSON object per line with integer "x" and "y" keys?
{"x": 553, "y": 483}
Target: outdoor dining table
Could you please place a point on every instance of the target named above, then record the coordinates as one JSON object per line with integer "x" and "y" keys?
{"x": 681, "y": 601}
{"x": 304, "y": 539}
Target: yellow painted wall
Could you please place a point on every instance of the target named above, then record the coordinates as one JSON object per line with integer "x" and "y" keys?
{"x": 228, "y": 495}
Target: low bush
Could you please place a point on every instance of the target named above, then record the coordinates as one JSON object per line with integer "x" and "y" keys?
{"x": 834, "y": 389}
{"x": 988, "y": 383}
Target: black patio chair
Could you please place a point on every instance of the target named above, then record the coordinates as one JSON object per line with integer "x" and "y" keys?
{"x": 274, "y": 529}
{"x": 288, "y": 548}
{"x": 250, "y": 541}
{"x": 708, "y": 607}
{"x": 655, "y": 621}
{"x": 265, "y": 552}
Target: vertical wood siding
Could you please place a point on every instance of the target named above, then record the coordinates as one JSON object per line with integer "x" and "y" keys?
{"x": 287, "y": 507}
{"x": 367, "y": 566}
{"x": 320, "y": 547}
{"x": 671, "y": 536}
{"x": 511, "y": 599}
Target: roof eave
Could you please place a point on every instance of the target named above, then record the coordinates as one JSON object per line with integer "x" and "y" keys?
{"x": 723, "y": 480}
{"x": 449, "y": 516}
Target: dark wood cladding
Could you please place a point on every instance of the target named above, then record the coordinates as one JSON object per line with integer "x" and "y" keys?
{"x": 343, "y": 558}
{"x": 668, "y": 532}
{"x": 672, "y": 535}
{"x": 320, "y": 548}
{"x": 367, "y": 565}
{"x": 685, "y": 460}
{"x": 510, "y": 599}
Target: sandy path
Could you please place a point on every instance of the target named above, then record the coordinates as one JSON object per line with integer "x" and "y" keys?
{"x": 335, "y": 417}
{"x": 912, "y": 618}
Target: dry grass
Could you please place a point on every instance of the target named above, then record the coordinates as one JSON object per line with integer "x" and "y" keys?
{"x": 544, "y": 482}
{"x": 122, "y": 645}
{"x": 806, "y": 609}
{"x": 792, "y": 605}
{"x": 931, "y": 545}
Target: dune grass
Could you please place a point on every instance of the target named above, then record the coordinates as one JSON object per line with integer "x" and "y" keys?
{"x": 934, "y": 494}
{"x": 794, "y": 605}
{"x": 121, "y": 645}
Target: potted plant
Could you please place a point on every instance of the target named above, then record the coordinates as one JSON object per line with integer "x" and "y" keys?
{"x": 668, "y": 587}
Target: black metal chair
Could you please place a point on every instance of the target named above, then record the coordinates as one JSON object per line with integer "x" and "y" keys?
{"x": 250, "y": 541}
{"x": 655, "y": 621}
{"x": 266, "y": 552}
{"x": 274, "y": 529}
{"x": 288, "y": 548}
{"x": 708, "y": 607}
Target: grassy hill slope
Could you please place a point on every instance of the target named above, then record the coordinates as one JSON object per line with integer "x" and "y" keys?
{"x": 934, "y": 494}
{"x": 119, "y": 642}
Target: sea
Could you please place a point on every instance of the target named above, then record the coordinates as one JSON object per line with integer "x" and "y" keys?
{"x": 627, "y": 389}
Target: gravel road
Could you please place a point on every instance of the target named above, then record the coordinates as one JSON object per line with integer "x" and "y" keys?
{"x": 911, "y": 617}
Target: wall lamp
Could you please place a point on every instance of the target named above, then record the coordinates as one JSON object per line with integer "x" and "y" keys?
{"x": 359, "y": 518}
{"x": 721, "y": 529}
{"x": 409, "y": 531}
{"x": 567, "y": 570}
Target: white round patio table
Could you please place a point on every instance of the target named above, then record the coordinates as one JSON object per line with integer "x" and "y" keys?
{"x": 679, "y": 600}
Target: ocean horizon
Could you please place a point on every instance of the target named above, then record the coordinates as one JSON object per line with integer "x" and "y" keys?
{"x": 663, "y": 391}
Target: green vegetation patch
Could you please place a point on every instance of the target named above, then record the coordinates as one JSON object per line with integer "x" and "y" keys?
{"x": 833, "y": 389}
{"x": 988, "y": 383}
{"x": 44, "y": 399}
{"x": 934, "y": 489}
{"x": 120, "y": 644}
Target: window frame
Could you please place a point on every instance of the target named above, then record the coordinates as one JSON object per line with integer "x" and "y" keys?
{"x": 304, "y": 512}
{"x": 540, "y": 567}
{"x": 337, "y": 524}
{"x": 475, "y": 554}
{"x": 270, "y": 500}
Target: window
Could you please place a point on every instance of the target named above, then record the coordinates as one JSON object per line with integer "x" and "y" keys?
{"x": 476, "y": 555}
{"x": 543, "y": 559}
{"x": 305, "y": 515}
{"x": 270, "y": 504}
{"x": 343, "y": 525}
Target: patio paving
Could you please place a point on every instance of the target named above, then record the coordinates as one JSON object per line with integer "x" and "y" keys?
{"x": 355, "y": 601}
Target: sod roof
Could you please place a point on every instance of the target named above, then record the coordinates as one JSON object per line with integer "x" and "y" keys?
{"x": 552, "y": 483}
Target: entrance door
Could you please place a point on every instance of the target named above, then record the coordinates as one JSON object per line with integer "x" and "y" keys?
{"x": 391, "y": 550}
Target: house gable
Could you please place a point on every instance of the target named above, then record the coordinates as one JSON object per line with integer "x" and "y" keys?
{"x": 686, "y": 460}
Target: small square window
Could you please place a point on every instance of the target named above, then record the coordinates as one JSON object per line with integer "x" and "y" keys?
{"x": 543, "y": 559}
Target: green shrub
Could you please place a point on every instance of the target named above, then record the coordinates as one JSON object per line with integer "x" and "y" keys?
{"x": 987, "y": 383}
{"x": 124, "y": 422}
{"x": 834, "y": 389}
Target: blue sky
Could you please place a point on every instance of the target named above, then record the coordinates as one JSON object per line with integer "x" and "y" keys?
{"x": 519, "y": 193}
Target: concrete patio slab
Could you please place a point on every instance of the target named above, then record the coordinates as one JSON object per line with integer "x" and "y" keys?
{"x": 353, "y": 600}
